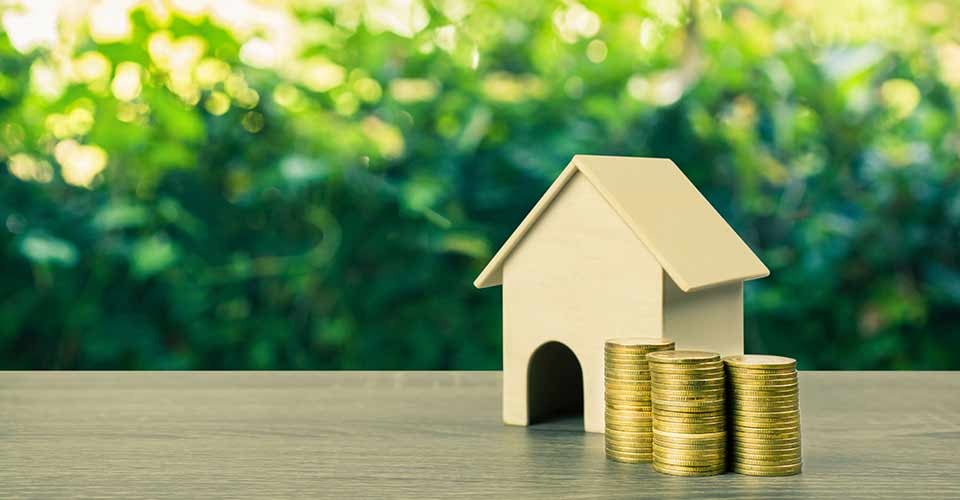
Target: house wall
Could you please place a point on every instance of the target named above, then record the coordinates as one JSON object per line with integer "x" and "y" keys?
{"x": 579, "y": 277}
{"x": 709, "y": 319}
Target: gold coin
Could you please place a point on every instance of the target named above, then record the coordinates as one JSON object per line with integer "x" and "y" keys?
{"x": 760, "y": 362}
{"x": 630, "y": 342}
{"x": 629, "y": 446}
{"x": 629, "y": 353}
{"x": 638, "y": 453}
{"x": 761, "y": 395}
{"x": 734, "y": 373}
{"x": 686, "y": 471}
{"x": 751, "y": 395}
{"x": 625, "y": 359}
{"x": 688, "y": 419}
{"x": 689, "y": 462}
{"x": 719, "y": 422}
{"x": 689, "y": 444}
{"x": 763, "y": 455}
{"x": 763, "y": 435}
{"x": 795, "y": 465}
{"x": 637, "y": 446}
{"x": 638, "y": 418}
{"x": 764, "y": 426}
{"x": 680, "y": 445}
{"x": 629, "y": 431}
{"x": 638, "y": 351}
{"x": 692, "y": 429}
{"x": 619, "y": 378}
{"x": 624, "y": 427}
{"x": 627, "y": 425}
{"x": 629, "y": 436}
{"x": 761, "y": 384}
{"x": 783, "y": 405}
{"x": 610, "y": 358}
{"x": 673, "y": 383}
{"x": 706, "y": 370}
{"x": 691, "y": 412}
{"x": 637, "y": 408}
{"x": 625, "y": 382}
{"x": 630, "y": 372}
{"x": 718, "y": 454}
{"x": 690, "y": 454}
{"x": 773, "y": 388}
{"x": 631, "y": 412}
{"x": 760, "y": 442}
{"x": 753, "y": 472}
{"x": 661, "y": 404}
{"x": 628, "y": 399}
{"x": 681, "y": 435}
{"x": 621, "y": 447}
{"x": 738, "y": 399}
{"x": 754, "y": 421}
{"x": 628, "y": 395}
{"x": 687, "y": 398}
{"x": 636, "y": 425}
{"x": 766, "y": 463}
{"x": 635, "y": 399}
{"x": 628, "y": 459}
{"x": 765, "y": 431}
{"x": 759, "y": 376}
{"x": 634, "y": 406}
{"x": 690, "y": 369}
{"x": 626, "y": 367}
{"x": 683, "y": 357}
{"x": 717, "y": 392}
{"x": 738, "y": 412}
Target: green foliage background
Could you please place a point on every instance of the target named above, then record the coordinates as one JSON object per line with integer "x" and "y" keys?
{"x": 327, "y": 202}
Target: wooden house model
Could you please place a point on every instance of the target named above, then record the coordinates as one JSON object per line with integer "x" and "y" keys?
{"x": 616, "y": 247}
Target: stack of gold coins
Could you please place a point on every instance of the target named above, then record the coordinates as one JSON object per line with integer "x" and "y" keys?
{"x": 689, "y": 428}
{"x": 627, "y": 420}
{"x": 764, "y": 415}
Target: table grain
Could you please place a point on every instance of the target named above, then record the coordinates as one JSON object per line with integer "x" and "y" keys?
{"x": 379, "y": 435}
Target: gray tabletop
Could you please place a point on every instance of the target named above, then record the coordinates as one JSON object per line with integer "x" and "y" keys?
{"x": 427, "y": 435}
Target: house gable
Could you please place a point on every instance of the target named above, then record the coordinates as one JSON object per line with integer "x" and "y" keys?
{"x": 581, "y": 240}
{"x": 689, "y": 239}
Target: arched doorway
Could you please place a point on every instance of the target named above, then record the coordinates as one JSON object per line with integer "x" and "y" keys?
{"x": 554, "y": 384}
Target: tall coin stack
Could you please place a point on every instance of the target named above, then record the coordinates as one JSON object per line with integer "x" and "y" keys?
{"x": 689, "y": 429}
{"x": 627, "y": 420}
{"x": 764, "y": 415}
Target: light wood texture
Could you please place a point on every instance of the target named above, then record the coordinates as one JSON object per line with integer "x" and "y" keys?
{"x": 879, "y": 435}
{"x": 695, "y": 246}
{"x": 690, "y": 240}
{"x": 617, "y": 247}
{"x": 710, "y": 319}
{"x": 579, "y": 277}
{"x": 492, "y": 273}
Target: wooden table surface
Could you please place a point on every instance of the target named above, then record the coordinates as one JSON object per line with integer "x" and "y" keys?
{"x": 356, "y": 435}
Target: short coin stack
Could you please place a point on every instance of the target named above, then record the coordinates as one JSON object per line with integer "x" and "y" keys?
{"x": 627, "y": 419}
{"x": 764, "y": 415}
{"x": 689, "y": 429}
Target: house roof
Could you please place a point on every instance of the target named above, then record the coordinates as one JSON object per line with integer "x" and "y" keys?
{"x": 690, "y": 240}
